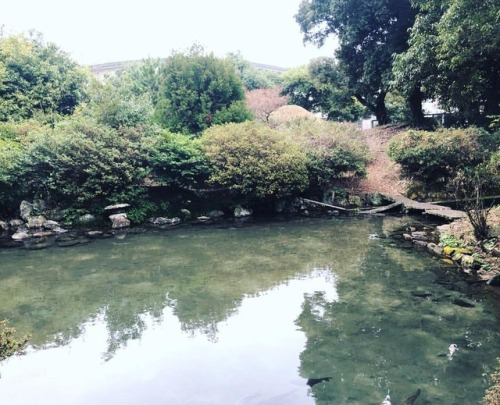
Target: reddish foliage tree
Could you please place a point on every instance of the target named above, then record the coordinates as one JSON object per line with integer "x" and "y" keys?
{"x": 262, "y": 102}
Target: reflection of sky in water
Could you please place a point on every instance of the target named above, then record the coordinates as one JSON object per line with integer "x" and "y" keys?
{"x": 255, "y": 359}
{"x": 203, "y": 315}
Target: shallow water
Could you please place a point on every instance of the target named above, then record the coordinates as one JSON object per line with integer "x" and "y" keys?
{"x": 245, "y": 314}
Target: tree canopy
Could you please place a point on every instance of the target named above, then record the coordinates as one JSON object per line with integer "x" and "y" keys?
{"x": 199, "y": 90}
{"x": 454, "y": 57}
{"x": 369, "y": 33}
{"x": 37, "y": 79}
{"x": 321, "y": 88}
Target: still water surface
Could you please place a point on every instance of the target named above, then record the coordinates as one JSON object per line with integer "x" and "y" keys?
{"x": 245, "y": 314}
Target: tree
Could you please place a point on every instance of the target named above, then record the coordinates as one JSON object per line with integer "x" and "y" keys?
{"x": 194, "y": 88}
{"x": 118, "y": 103}
{"x": 454, "y": 57}
{"x": 322, "y": 88}
{"x": 262, "y": 102}
{"x": 471, "y": 70}
{"x": 251, "y": 77}
{"x": 369, "y": 33}
{"x": 37, "y": 80}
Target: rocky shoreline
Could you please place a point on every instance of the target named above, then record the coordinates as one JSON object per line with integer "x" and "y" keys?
{"x": 38, "y": 228}
{"x": 478, "y": 264}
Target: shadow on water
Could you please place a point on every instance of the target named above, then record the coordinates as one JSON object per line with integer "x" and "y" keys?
{"x": 358, "y": 315}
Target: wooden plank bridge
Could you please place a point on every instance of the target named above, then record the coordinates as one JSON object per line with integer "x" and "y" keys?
{"x": 425, "y": 207}
{"x": 405, "y": 204}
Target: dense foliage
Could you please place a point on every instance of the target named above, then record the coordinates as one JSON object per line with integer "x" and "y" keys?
{"x": 117, "y": 104}
{"x": 255, "y": 161}
{"x": 321, "y": 88}
{"x": 446, "y": 50}
{"x": 333, "y": 150}
{"x": 176, "y": 160}
{"x": 199, "y": 90}
{"x": 263, "y": 102}
{"x": 252, "y": 77}
{"x": 370, "y": 32}
{"x": 81, "y": 163}
{"x": 436, "y": 157}
{"x": 37, "y": 80}
{"x": 454, "y": 56}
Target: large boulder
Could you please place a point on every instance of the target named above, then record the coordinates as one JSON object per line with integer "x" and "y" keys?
{"x": 21, "y": 234}
{"x": 16, "y": 223}
{"x": 86, "y": 219}
{"x": 240, "y": 212}
{"x": 4, "y": 226}
{"x": 26, "y": 209}
{"x": 36, "y": 222}
{"x": 119, "y": 221}
{"x": 166, "y": 221}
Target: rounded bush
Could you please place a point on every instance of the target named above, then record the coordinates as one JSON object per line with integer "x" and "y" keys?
{"x": 334, "y": 150}
{"x": 254, "y": 160}
{"x": 435, "y": 157}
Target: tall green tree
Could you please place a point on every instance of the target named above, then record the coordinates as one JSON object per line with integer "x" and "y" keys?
{"x": 370, "y": 32}
{"x": 454, "y": 56}
{"x": 197, "y": 91}
{"x": 37, "y": 79}
{"x": 251, "y": 77}
{"x": 321, "y": 88}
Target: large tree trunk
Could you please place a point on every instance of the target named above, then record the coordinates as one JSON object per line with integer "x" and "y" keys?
{"x": 378, "y": 108}
{"x": 415, "y": 100}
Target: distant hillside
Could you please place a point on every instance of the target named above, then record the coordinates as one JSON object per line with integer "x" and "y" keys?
{"x": 104, "y": 69}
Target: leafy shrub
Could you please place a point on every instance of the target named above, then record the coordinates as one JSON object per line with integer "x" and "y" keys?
{"x": 492, "y": 396}
{"x": 254, "y": 160}
{"x": 10, "y": 151}
{"x": 334, "y": 150}
{"x": 9, "y": 344}
{"x": 176, "y": 160}
{"x": 236, "y": 112}
{"x": 82, "y": 164}
{"x": 114, "y": 103}
{"x": 435, "y": 157}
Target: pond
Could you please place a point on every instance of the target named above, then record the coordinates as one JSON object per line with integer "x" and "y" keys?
{"x": 246, "y": 313}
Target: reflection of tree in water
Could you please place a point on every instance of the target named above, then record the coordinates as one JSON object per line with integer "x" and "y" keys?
{"x": 379, "y": 337}
{"x": 130, "y": 279}
{"x": 125, "y": 320}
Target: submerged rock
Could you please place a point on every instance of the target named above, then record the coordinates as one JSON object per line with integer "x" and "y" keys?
{"x": 463, "y": 303}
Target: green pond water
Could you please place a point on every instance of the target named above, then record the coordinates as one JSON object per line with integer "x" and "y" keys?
{"x": 246, "y": 313}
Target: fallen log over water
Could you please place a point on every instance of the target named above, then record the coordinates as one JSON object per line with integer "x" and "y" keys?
{"x": 326, "y": 205}
{"x": 382, "y": 209}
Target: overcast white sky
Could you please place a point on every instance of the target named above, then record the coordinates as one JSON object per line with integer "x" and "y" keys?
{"x": 100, "y": 31}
